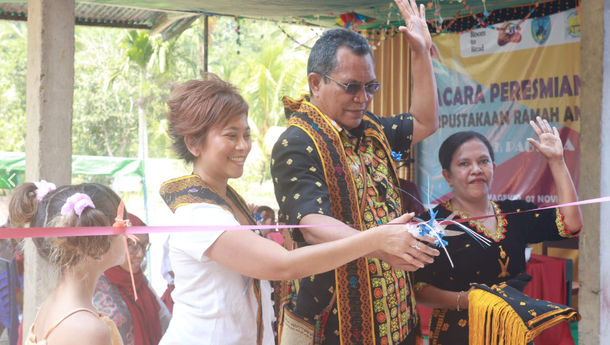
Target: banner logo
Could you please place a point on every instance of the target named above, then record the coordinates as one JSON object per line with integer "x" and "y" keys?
{"x": 541, "y": 29}
{"x": 573, "y": 26}
{"x": 509, "y": 33}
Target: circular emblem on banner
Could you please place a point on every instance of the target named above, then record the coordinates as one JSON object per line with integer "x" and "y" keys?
{"x": 541, "y": 29}
{"x": 573, "y": 27}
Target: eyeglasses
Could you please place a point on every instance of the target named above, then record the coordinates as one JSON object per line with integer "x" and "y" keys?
{"x": 355, "y": 88}
{"x": 133, "y": 246}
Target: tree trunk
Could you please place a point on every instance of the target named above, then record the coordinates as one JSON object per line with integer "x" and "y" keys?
{"x": 202, "y": 51}
{"x": 142, "y": 129}
{"x": 106, "y": 140}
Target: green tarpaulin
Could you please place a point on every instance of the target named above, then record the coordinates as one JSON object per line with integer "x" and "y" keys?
{"x": 12, "y": 167}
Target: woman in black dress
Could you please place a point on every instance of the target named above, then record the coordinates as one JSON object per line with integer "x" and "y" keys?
{"x": 468, "y": 165}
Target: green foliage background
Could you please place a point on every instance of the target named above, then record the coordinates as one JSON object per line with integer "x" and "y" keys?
{"x": 119, "y": 73}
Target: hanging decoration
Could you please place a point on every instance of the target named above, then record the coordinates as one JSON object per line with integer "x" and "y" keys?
{"x": 437, "y": 16}
{"x": 487, "y": 19}
{"x": 299, "y": 44}
{"x": 390, "y": 20}
{"x": 352, "y": 20}
{"x": 461, "y": 24}
{"x": 384, "y": 30}
{"x": 237, "y": 31}
{"x": 510, "y": 29}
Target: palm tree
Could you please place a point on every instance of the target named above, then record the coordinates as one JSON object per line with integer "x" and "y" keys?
{"x": 140, "y": 49}
{"x": 265, "y": 76}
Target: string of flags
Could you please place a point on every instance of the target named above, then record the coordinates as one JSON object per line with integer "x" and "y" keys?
{"x": 461, "y": 23}
{"x": 464, "y": 20}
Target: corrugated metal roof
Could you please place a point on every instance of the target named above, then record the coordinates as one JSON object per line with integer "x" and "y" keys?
{"x": 166, "y": 22}
{"x": 98, "y": 15}
{"x": 274, "y": 9}
{"x": 175, "y": 15}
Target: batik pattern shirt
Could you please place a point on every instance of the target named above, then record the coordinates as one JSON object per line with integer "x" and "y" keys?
{"x": 301, "y": 189}
{"x": 108, "y": 301}
{"x": 503, "y": 260}
{"x": 380, "y": 204}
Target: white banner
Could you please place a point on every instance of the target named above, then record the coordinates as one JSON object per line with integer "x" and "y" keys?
{"x": 559, "y": 28}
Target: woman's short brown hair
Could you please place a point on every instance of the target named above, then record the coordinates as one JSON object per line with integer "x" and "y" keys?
{"x": 197, "y": 105}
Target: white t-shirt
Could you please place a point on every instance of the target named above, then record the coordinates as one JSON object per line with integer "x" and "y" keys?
{"x": 212, "y": 304}
{"x": 166, "y": 265}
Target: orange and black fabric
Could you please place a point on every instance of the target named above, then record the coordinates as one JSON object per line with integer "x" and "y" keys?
{"x": 318, "y": 167}
{"x": 503, "y": 260}
{"x": 501, "y": 314}
{"x": 191, "y": 189}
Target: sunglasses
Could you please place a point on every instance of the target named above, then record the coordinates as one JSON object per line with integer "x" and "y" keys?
{"x": 356, "y": 88}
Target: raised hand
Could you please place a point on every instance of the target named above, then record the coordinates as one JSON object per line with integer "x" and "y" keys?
{"x": 416, "y": 28}
{"x": 551, "y": 147}
{"x": 549, "y": 143}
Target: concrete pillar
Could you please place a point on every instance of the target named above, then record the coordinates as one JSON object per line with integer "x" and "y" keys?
{"x": 48, "y": 148}
{"x": 50, "y": 83}
{"x": 594, "y": 253}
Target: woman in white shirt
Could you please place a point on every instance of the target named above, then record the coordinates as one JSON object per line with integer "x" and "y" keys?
{"x": 219, "y": 296}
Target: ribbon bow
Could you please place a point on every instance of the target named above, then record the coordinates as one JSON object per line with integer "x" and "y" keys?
{"x": 121, "y": 224}
{"x": 397, "y": 156}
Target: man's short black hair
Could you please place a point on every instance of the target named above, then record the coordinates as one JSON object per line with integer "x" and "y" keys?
{"x": 323, "y": 55}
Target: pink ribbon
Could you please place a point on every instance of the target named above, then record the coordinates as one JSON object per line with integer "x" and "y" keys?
{"x": 575, "y": 203}
{"x": 109, "y": 230}
{"x": 122, "y": 225}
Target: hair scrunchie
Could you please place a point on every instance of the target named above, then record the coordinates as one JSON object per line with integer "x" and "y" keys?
{"x": 77, "y": 203}
{"x": 43, "y": 188}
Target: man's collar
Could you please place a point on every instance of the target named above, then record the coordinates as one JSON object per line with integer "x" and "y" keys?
{"x": 355, "y": 132}
{"x": 334, "y": 123}
{"x": 291, "y": 104}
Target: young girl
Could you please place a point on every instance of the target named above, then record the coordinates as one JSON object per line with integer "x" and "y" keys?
{"x": 68, "y": 316}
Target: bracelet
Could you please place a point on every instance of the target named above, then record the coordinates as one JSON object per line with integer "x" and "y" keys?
{"x": 458, "y": 301}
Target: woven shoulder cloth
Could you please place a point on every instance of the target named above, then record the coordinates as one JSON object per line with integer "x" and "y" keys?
{"x": 191, "y": 189}
{"x": 355, "y": 313}
{"x": 501, "y": 314}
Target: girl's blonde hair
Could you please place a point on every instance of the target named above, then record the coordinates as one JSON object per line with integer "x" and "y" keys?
{"x": 26, "y": 210}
